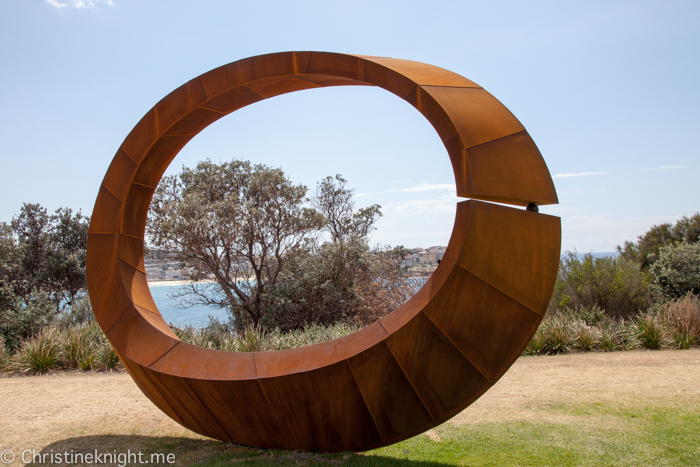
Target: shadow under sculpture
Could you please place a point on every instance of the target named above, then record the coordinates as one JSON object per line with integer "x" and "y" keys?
{"x": 412, "y": 370}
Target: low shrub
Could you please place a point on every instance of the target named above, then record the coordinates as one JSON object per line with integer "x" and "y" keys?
{"x": 677, "y": 270}
{"x": 682, "y": 321}
{"x": 615, "y": 285}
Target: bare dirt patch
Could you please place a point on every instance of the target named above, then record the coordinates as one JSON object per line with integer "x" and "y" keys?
{"x": 65, "y": 408}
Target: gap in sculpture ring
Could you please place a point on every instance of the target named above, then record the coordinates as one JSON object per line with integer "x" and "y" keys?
{"x": 410, "y": 371}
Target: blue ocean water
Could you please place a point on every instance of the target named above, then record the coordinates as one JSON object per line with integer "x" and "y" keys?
{"x": 175, "y": 314}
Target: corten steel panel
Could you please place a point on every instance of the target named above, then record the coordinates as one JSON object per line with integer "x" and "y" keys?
{"x": 120, "y": 173}
{"x": 412, "y": 370}
{"x": 443, "y": 377}
{"x": 277, "y": 85}
{"x": 496, "y": 168}
{"x": 147, "y": 387}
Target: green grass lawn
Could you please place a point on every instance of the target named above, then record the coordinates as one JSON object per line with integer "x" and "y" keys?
{"x": 663, "y": 433}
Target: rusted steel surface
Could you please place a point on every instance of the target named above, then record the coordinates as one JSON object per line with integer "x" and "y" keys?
{"x": 412, "y": 370}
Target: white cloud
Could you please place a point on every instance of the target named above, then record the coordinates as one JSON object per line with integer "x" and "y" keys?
{"x": 78, "y": 4}
{"x": 580, "y": 174}
{"x": 425, "y": 187}
{"x": 668, "y": 167}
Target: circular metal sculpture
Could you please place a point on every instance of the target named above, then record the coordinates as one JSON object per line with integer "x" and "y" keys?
{"x": 412, "y": 370}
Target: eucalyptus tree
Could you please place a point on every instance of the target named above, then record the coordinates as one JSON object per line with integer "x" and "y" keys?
{"x": 334, "y": 201}
{"x": 236, "y": 222}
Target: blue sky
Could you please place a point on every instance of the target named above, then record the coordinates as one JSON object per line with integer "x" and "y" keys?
{"x": 607, "y": 89}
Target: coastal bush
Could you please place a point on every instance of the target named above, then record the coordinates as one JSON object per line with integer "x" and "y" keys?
{"x": 677, "y": 270}
{"x": 338, "y": 282}
{"x": 43, "y": 254}
{"x": 309, "y": 335}
{"x": 615, "y": 285}
{"x": 78, "y": 314}
{"x": 646, "y": 249}
{"x": 22, "y": 319}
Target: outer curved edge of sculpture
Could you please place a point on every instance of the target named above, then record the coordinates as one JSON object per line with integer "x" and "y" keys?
{"x": 412, "y": 370}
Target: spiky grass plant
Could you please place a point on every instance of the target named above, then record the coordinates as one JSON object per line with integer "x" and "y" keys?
{"x": 251, "y": 340}
{"x": 80, "y": 345}
{"x": 585, "y": 337}
{"x": 553, "y": 336}
{"x": 647, "y": 329}
{"x": 612, "y": 335}
{"x": 313, "y": 334}
{"x": 40, "y": 353}
{"x": 105, "y": 356}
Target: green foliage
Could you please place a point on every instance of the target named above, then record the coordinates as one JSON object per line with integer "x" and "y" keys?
{"x": 340, "y": 281}
{"x": 613, "y": 336}
{"x": 82, "y": 347}
{"x": 42, "y": 269}
{"x": 24, "y": 318}
{"x": 677, "y": 270}
{"x": 612, "y": 284}
{"x": 236, "y": 221}
{"x": 80, "y": 313}
{"x": 588, "y": 314}
{"x": 51, "y": 249}
{"x": 262, "y": 241}
{"x": 4, "y": 355}
{"x": 645, "y": 250}
{"x": 334, "y": 201}
{"x": 309, "y": 335}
